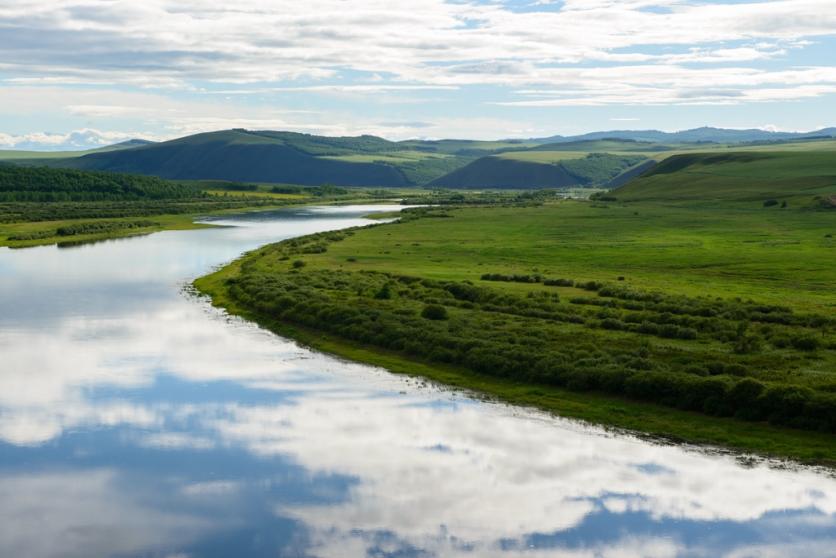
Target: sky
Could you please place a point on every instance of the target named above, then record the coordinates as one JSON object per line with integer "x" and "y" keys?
{"x": 84, "y": 73}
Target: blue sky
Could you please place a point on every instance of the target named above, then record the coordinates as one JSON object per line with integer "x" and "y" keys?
{"x": 90, "y": 72}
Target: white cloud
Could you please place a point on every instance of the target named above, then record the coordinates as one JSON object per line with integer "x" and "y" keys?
{"x": 74, "y": 140}
{"x": 162, "y": 43}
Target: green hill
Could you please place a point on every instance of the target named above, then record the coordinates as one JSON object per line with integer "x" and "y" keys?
{"x": 737, "y": 175}
{"x": 526, "y": 169}
{"x": 238, "y": 155}
{"x": 304, "y": 159}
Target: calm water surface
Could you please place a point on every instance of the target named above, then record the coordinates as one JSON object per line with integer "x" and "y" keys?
{"x": 136, "y": 420}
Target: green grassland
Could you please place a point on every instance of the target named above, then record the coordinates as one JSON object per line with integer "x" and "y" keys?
{"x": 75, "y": 231}
{"x": 741, "y": 298}
{"x": 543, "y": 157}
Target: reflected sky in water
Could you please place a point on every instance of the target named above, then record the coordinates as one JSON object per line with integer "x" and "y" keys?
{"x": 136, "y": 420}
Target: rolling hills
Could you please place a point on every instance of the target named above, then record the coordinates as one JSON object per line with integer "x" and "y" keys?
{"x": 601, "y": 159}
{"x": 293, "y": 158}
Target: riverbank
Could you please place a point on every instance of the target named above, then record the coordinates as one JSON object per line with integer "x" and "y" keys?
{"x": 385, "y": 248}
{"x": 652, "y": 421}
{"x": 25, "y": 234}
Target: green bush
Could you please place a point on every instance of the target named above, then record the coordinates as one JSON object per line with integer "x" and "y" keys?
{"x": 804, "y": 342}
{"x": 434, "y": 312}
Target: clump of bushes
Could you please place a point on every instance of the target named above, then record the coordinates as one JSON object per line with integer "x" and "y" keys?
{"x": 102, "y": 226}
{"x": 37, "y": 235}
{"x": 434, "y": 312}
{"x": 533, "y": 337}
{"x": 559, "y": 282}
{"x": 511, "y": 278}
{"x": 804, "y": 342}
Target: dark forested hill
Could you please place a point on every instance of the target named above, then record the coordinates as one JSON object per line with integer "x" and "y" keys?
{"x": 38, "y": 184}
{"x": 244, "y": 156}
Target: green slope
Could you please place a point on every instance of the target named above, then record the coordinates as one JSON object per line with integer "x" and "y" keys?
{"x": 743, "y": 175}
{"x": 522, "y": 170}
{"x": 608, "y": 145}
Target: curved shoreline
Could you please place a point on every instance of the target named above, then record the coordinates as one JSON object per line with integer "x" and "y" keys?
{"x": 643, "y": 419}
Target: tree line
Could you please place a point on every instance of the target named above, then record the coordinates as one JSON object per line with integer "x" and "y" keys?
{"x": 42, "y": 184}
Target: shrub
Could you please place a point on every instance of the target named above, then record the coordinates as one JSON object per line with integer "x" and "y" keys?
{"x": 589, "y": 286}
{"x": 612, "y": 323}
{"x": 434, "y": 312}
{"x": 747, "y": 344}
{"x": 770, "y": 203}
{"x": 298, "y": 264}
{"x": 743, "y": 398}
{"x": 804, "y": 342}
{"x": 559, "y": 282}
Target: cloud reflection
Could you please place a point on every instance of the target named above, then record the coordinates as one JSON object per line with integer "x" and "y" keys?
{"x": 84, "y": 514}
{"x": 350, "y": 460}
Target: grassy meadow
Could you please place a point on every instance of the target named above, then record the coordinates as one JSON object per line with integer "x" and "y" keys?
{"x": 707, "y": 325}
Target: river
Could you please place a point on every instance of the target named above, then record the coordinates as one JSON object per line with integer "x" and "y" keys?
{"x": 137, "y": 420}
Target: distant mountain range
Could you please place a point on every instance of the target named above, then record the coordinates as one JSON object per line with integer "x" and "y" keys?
{"x": 293, "y": 158}
{"x": 704, "y": 134}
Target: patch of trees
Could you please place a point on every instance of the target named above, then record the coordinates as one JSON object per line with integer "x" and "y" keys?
{"x": 15, "y": 212}
{"x": 489, "y": 198}
{"x": 41, "y": 184}
{"x": 102, "y": 226}
{"x": 85, "y": 228}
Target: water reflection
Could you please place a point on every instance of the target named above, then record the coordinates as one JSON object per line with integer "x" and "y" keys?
{"x": 136, "y": 420}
